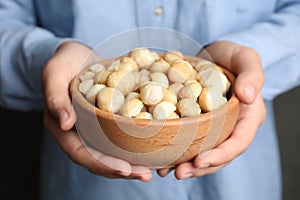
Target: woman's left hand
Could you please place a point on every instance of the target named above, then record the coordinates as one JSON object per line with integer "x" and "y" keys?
{"x": 246, "y": 64}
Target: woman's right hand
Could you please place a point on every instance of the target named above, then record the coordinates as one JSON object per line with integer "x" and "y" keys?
{"x": 60, "y": 117}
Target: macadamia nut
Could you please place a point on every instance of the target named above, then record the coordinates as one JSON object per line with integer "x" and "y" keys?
{"x": 151, "y": 93}
{"x": 127, "y": 65}
{"x": 173, "y": 115}
{"x": 86, "y": 75}
{"x": 110, "y": 99}
{"x": 188, "y": 108}
{"x": 214, "y": 78}
{"x": 187, "y": 92}
{"x": 191, "y": 89}
{"x": 172, "y": 55}
{"x": 160, "y": 66}
{"x": 176, "y": 87}
{"x": 92, "y": 93}
{"x": 122, "y": 80}
{"x": 211, "y": 98}
{"x": 163, "y": 110}
{"x": 160, "y": 78}
{"x": 143, "y": 81}
{"x": 127, "y": 59}
{"x": 170, "y": 96}
{"x": 97, "y": 68}
{"x": 113, "y": 65}
{"x": 85, "y": 85}
{"x": 200, "y": 65}
{"x": 143, "y": 57}
{"x": 144, "y": 72}
{"x": 180, "y": 71}
{"x": 131, "y": 108}
{"x": 144, "y": 115}
{"x": 101, "y": 76}
{"x": 132, "y": 95}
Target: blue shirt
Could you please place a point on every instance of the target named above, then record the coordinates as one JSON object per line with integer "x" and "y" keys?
{"x": 30, "y": 32}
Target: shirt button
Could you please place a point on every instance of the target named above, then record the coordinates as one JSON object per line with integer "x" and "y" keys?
{"x": 158, "y": 11}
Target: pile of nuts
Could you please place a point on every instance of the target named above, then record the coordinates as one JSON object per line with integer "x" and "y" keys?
{"x": 147, "y": 85}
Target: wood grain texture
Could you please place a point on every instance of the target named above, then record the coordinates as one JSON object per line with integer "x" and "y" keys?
{"x": 154, "y": 143}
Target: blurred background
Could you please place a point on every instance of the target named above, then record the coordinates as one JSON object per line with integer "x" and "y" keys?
{"x": 21, "y": 138}
{"x": 19, "y": 153}
{"x": 287, "y": 111}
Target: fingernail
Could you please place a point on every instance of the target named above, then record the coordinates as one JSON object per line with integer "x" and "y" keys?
{"x": 188, "y": 175}
{"x": 204, "y": 165}
{"x": 249, "y": 93}
{"x": 204, "y": 154}
{"x": 63, "y": 115}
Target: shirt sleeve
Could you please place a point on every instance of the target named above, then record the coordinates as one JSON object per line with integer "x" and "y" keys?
{"x": 24, "y": 50}
{"x": 277, "y": 40}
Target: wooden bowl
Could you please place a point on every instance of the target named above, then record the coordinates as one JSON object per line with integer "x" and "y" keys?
{"x": 154, "y": 143}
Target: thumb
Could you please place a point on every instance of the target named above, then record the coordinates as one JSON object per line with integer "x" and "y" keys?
{"x": 56, "y": 94}
{"x": 248, "y": 84}
{"x": 57, "y": 75}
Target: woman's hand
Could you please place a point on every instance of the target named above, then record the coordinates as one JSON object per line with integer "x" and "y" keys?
{"x": 246, "y": 65}
{"x": 60, "y": 117}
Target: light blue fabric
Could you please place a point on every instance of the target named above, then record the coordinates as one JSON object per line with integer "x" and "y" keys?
{"x": 30, "y": 32}
{"x": 271, "y": 27}
{"x": 254, "y": 175}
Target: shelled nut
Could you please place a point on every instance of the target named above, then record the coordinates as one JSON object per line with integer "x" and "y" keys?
{"x": 110, "y": 99}
{"x": 147, "y": 85}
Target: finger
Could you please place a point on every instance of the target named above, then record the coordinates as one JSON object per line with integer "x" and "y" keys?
{"x": 188, "y": 170}
{"x": 101, "y": 163}
{"x": 248, "y": 84}
{"x": 56, "y": 79}
{"x": 141, "y": 173}
{"x": 94, "y": 161}
{"x": 57, "y": 75}
{"x": 72, "y": 145}
{"x": 119, "y": 167}
{"x": 246, "y": 63}
{"x": 240, "y": 139}
{"x": 164, "y": 172}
